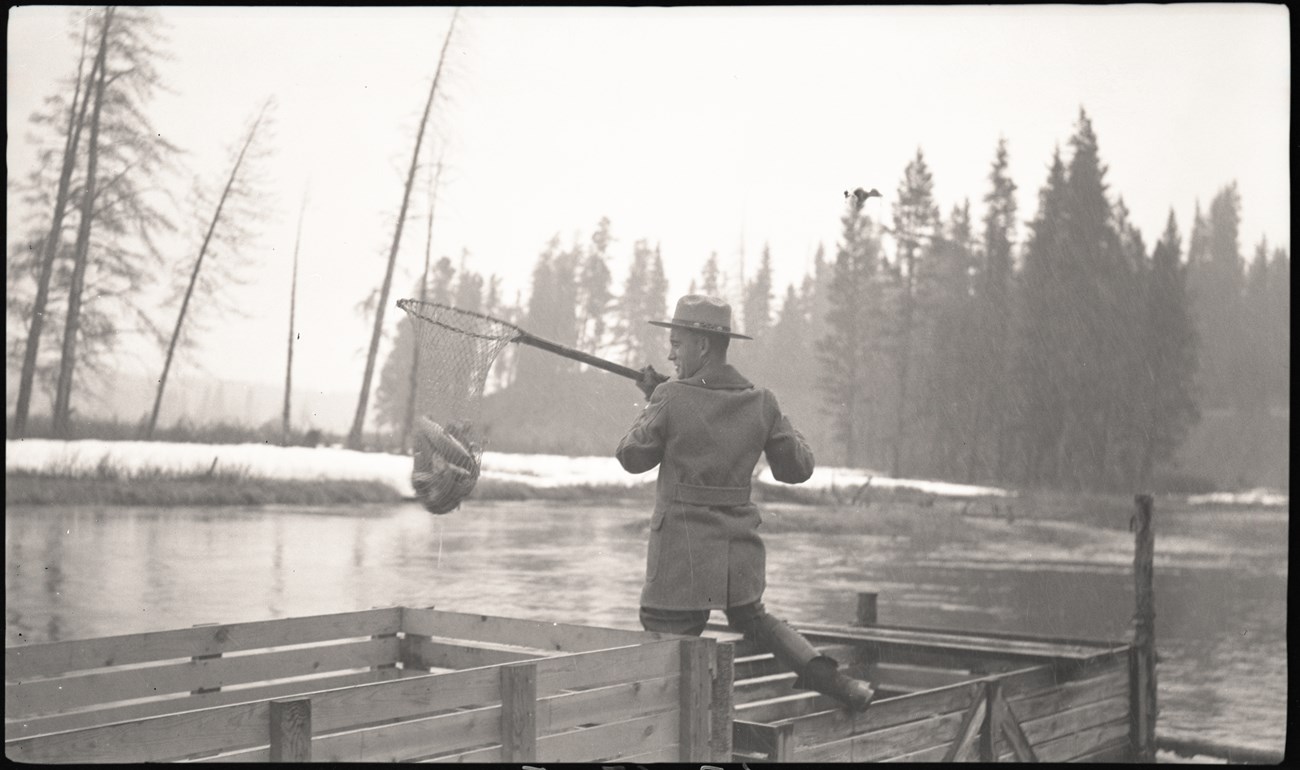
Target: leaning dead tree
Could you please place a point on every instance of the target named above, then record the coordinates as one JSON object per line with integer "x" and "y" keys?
{"x": 226, "y": 194}
{"x": 50, "y": 246}
{"x": 293, "y": 297}
{"x": 358, "y": 421}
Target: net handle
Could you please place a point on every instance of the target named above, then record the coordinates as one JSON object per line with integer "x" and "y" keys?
{"x": 525, "y": 338}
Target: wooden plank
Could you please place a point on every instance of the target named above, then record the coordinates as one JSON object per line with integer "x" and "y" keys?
{"x": 826, "y": 727}
{"x": 52, "y": 695}
{"x": 54, "y": 658}
{"x": 1074, "y": 720}
{"x": 764, "y": 687}
{"x": 901, "y": 677}
{"x": 785, "y": 707}
{"x": 766, "y": 741}
{"x": 972, "y": 721}
{"x": 103, "y": 716}
{"x": 611, "y": 741}
{"x": 695, "y": 687}
{"x": 518, "y": 713}
{"x": 1004, "y": 723}
{"x": 1069, "y": 694}
{"x": 399, "y": 741}
{"x": 723, "y": 700}
{"x": 542, "y": 635}
{"x": 157, "y": 739}
{"x": 1070, "y": 747}
{"x": 764, "y": 663}
{"x": 599, "y": 668}
{"x": 614, "y": 703}
{"x": 880, "y": 744}
{"x": 425, "y": 652}
{"x": 1117, "y": 645}
{"x": 1116, "y": 752}
{"x": 959, "y": 645}
{"x": 290, "y": 730}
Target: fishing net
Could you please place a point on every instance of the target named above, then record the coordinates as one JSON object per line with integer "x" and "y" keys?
{"x": 454, "y": 351}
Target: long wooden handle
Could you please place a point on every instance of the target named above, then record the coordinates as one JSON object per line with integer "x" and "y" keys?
{"x": 577, "y": 355}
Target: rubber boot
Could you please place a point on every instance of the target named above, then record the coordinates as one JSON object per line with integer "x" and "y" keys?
{"x": 814, "y": 670}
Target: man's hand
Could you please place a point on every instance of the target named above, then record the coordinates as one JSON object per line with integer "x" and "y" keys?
{"x": 650, "y": 380}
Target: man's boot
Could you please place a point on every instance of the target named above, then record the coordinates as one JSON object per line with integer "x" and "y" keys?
{"x": 815, "y": 671}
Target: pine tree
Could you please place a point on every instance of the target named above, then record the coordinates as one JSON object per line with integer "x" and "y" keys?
{"x": 594, "y": 295}
{"x": 710, "y": 283}
{"x": 849, "y": 354}
{"x": 916, "y": 225}
{"x": 992, "y": 354}
{"x": 1215, "y": 280}
{"x": 1169, "y": 342}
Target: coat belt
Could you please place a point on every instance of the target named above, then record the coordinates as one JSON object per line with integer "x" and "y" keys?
{"x": 693, "y": 494}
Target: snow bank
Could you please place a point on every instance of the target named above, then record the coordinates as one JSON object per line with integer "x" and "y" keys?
{"x": 308, "y": 463}
{"x": 1260, "y": 496}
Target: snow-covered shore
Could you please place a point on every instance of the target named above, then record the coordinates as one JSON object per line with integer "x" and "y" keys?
{"x": 534, "y": 470}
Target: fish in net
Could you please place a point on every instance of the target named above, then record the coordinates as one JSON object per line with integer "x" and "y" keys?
{"x": 454, "y": 351}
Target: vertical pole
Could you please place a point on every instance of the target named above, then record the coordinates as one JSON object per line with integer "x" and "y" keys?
{"x": 291, "y": 730}
{"x": 866, "y": 608}
{"x": 724, "y": 673}
{"x": 519, "y": 713}
{"x": 695, "y": 688}
{"x": 197, "y": 658}
{"x": 1143, "y": 669}
{"x": 988, "y": 730}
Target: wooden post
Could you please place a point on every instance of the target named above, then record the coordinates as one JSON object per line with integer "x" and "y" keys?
{"x": 197, "y": 658}
{"x": 724, "y": 674}
{"x": 1143, "y": 656}
{"x": 519, "y": 712}
{"x": 783, "y": 751}
{"x": 695, "y": 689}
{"x": 988, "y": 730}
{"x": 291, "y": 730}
{"x": 866, "y": 608}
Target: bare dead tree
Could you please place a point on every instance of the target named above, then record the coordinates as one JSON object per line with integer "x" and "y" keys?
{"x": 424, "y": 293}
{"x": 293, "y": 296}
{"x": 358, "y": 421}
{"x": 76, "y": 119}
{"x": 198, "y": 264}
{"x": 63, "y": 391}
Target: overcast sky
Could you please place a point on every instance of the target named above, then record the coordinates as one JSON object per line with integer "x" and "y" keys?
{"x": 698, "y": 129}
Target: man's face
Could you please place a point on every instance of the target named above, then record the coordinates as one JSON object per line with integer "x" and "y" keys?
{"x": 686, "y": 352}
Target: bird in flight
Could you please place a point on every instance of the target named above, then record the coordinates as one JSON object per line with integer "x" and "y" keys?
{"x": 862, "y": 194}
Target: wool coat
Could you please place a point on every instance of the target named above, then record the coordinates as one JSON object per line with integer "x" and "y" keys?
{"x": 706, "y": 434}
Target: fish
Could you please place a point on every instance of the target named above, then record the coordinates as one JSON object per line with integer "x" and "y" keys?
{"x": 446, "y": 465}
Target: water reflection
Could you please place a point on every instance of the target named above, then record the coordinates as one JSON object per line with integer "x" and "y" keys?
{"x": 1220, "y": 581}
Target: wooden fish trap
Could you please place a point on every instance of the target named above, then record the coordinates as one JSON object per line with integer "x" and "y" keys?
{"x": 942, "y": 696}
{"x": 377, "y": 685}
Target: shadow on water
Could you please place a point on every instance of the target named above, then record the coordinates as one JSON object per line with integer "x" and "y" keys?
{"x": 1220, "y": 580}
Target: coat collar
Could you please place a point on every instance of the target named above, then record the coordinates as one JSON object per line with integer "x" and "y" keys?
{"x": 716, "y": 376}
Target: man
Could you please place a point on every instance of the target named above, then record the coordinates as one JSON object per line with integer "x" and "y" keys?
{"x": 706, "y": 430}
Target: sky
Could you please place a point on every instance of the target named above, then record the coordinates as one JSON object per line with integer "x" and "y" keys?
{"x": 698, "y": 129}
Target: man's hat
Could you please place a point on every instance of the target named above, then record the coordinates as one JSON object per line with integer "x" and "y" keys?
{"x": 699, "y": 313}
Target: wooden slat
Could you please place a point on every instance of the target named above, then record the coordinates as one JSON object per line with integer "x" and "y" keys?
{"x": 54, "y": 658}
{"x": 425, "y": 652}
{"x": 764, "y": 663}
{"x": 931, "y": 754}
{"x": 1025, "y": 636}
{"x": 954, "y": 640}
{"x": 764, "y": 687}
{"x": 611, "y": 741}
{"x": 900, "y": 677}
{"x": 1003, "y": 723}
{"x": 723, "y": 699}
{"x": 518, "y": 713}
{"x": 1074, "y": 720}
{"x": 559, "y": 637}
{"x": 104, "y": 716}
{"x": 610, "y": 666}
{"x": 969, "y": 729}
{"x": 411, "y": 738}
{"x": 1067, "y": 695}
{"x": 51, "y": 695}
{"x": 614, "y": 703}
{"x": 836, "y": 725}
{"x": 290, "y": 730}
{"x": 1070, "y": 747}
{"x": 694, "y": 689}
{"x": 1113, "y": 752}
{"x": 879, "y": 744}
{"x": 785, "y": 707}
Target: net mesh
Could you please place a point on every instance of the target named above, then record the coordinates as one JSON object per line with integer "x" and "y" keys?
{"x": 454, "y": 351}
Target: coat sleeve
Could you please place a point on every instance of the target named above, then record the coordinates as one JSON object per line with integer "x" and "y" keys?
{"x": 788, "y": 453}
{"x": 643, "y": 446}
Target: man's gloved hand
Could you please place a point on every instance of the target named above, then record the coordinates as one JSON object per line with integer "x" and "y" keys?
{"x": 650, "y": 380}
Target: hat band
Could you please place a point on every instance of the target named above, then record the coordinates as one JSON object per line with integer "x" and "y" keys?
{"x": 704, "y": 326}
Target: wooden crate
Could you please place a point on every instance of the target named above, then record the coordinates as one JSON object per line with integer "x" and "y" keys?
{"x": 941, "y": 696}
{"x": 392, "y": 684}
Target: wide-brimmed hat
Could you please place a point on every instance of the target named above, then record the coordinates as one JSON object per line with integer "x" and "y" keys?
{"x": 699, "y": 313}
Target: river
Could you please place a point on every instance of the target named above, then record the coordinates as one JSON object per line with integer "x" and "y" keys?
{"x": 1221, "y": 581}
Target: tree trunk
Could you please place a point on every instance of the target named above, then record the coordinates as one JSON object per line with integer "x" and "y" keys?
{"x": 415, "y": 338}
{"x": 194, "y": 276}
{"x": 76, "y": 119}
{"x": 63, "y": 391}
{"x": 293, "y": 297}
{"x": 358, "y": 421}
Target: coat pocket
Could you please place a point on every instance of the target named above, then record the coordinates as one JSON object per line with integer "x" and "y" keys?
{"x": 656, "y": 544}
